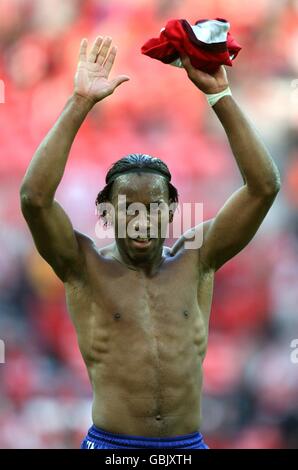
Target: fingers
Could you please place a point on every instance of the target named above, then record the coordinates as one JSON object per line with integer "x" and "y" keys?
{"x": 83, "y": 50}
{"x": 118, "y": 80}
{"x": 95, "y": 49}
{"x": 110, "y": 59}
{"x": 183, "y": 57}
{"x": 221, "y": 72}
{"x": 186, "y": 62}
{"x": 105, "y": 46}
{"x": 99, "y": 52}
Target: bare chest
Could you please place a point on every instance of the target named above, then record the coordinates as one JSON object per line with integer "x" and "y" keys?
{"x": 124, "y": 307}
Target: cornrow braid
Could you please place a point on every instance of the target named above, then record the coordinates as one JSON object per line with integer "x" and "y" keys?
{"x": 134, "y": 163}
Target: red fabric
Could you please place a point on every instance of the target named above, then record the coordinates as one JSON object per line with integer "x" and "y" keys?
{"x": 177, "y": 38}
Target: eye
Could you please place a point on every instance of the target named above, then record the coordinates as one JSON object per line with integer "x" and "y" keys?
{"x": 122, "y": 209}
{"x": 131, "y": 212}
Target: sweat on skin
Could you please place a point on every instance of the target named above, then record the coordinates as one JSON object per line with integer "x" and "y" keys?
{"x": 157, "y": 296}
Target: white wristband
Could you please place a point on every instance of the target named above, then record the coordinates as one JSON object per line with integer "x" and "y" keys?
{"x": 214, "y": 98}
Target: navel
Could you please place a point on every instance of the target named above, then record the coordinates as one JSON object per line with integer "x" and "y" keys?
{"x": 186, "y": 313}
{"x": 117, "y": 316}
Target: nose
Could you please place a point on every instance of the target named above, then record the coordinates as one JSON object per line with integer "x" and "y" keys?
{"x": 142, "y": 224}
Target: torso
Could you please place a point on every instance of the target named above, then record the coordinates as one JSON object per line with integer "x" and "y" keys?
{"x": 143, "y": 340}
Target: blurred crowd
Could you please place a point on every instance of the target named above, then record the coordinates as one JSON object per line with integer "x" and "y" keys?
{"x": 251, "y": 384}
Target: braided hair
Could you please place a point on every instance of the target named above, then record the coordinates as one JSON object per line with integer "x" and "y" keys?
{"x": 134, "y": 163}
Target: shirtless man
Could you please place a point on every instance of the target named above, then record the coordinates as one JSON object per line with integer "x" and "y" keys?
{"x": 141, "y": 310}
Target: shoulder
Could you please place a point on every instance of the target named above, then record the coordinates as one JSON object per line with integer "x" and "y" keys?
{"x": 191, "y": 246}
{"x": 88, "y": 248}
{"x": 88, "y": 245}
{"x": 192, "y": 239}
{"x": 91, "y": 257}
{"x": 84, "y": 241}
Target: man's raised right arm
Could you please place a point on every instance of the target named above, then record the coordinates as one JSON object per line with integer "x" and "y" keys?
{"x": 50, "y": 226}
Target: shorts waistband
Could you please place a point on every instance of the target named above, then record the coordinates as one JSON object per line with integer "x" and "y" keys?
{"x": 96, "y": 434}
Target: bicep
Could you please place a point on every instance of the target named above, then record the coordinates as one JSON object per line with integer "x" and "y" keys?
{"x": 54, "y": 237}
{"x": 234, "y": 226}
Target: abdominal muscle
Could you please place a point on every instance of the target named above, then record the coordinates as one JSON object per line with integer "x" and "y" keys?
{"x": 143, "y": 341}
{"x": 146, "y": 386}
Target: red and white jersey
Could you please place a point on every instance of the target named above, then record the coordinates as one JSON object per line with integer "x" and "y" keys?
{"x": 208, "y": 44}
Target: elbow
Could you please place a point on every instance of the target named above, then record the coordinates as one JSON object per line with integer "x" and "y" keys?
{"x": 266, "y": 190}
{"x": 30, "y": 198}
{"x": 27, "y": 200}
{"x": 271, "y": 188}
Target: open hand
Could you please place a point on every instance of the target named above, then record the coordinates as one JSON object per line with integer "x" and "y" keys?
{"x": 206, "y": 82}
{"x": 91, "y": 79}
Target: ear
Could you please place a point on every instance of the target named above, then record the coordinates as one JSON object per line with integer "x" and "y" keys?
{"x": 105, "y": 213}
{"x": 172, "y": 211}
{"x": 108, "y": 220}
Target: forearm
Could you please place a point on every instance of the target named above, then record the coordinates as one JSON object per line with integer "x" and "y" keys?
{"x": 48, "y": 163}
{"x": 255, "y": 163}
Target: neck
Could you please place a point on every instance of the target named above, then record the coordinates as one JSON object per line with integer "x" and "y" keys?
{"x": 149, "y": 265}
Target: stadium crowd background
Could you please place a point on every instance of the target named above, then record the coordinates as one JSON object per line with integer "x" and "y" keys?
{"x": 251, "y": 384}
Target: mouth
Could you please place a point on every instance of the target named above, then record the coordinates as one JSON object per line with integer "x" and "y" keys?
{"x": 141, "y": 242}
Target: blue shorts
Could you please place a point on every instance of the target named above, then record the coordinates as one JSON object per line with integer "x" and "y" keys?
{"x": 100, "y": 439}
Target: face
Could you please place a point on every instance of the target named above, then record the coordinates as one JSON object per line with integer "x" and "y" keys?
{"x": 139, "y": 227}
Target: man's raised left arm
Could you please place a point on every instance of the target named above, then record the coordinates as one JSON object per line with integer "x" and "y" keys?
{"x": 239, "y": 219}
